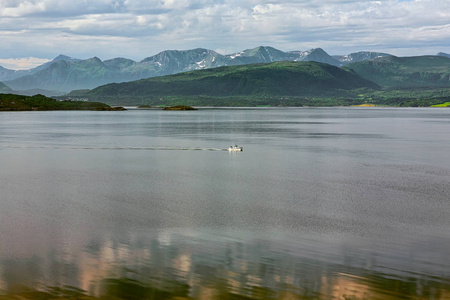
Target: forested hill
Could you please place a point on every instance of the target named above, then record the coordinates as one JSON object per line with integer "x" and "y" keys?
{"x": 12, "y": 102}
{"x": 405, "y": 72}
{"x": 300, "y": 79}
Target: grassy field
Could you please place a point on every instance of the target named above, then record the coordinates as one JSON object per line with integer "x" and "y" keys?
{"x": 446, "y": 104}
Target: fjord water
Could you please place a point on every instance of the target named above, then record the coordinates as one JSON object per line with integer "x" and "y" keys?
{"x": 322, "y": 203}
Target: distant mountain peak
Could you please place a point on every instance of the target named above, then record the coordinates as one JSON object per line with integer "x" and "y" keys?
{"x": 266, "y": 48}
{"x": 178, "y": 55}
{"x": 60, "y": 58}
{"x": 64, "y": 57}
{"x": 119, "y": 63}
{"x": 93, "y": 60}
{"x": 260, "y": 54}
{"x": 317, "y": 50}
{"x": 319, "y": 55}
{"x": 443, "y": 54}
{"x": 260, "y": 49}
{"x": 203, "y": 50}
{"x": 359, "y": 56}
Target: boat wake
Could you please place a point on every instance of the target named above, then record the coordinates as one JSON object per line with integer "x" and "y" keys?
{"x": 112, "y": 148}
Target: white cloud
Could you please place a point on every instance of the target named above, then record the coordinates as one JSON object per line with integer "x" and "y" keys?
{"x": 75, "y": 27}
{"x": 22, "y": 63}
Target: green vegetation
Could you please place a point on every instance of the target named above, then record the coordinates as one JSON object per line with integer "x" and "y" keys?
{"x": 179, "y": 107}
{"x": 411, "y": 81}
{"x": 280, "y": 83}
{"x": 446, "y": 104}
{"x": 406, "y": 97}
{"x": 418, "y": 98}
{"x": 405, "y": 72}
{"x": 370, "y": 286}
{"x": 11, "y": 102}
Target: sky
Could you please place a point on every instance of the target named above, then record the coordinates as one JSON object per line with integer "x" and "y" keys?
{"x": 35, "y": 31}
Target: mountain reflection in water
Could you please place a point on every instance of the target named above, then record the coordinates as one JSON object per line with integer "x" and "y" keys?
{"x": 325, "y": 203}
{"x": 183, "y": 265}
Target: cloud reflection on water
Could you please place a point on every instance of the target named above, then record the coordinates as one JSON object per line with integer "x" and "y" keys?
{"x": 172, "y": 263}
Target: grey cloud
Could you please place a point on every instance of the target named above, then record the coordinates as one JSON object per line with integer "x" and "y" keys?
{"x": 156, "y": 25}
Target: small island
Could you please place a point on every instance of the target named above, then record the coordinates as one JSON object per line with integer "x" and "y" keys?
{"x": 179, "y": 107}
{"x": 114, "y": 108}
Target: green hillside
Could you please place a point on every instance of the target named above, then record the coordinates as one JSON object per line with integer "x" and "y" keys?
{"x": 405, "y": 72}
{"x": 287, "y": 79}
{"x": 12, "y": 102}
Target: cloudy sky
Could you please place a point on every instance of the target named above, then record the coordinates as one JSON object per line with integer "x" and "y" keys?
{"x": 34, "y": 31}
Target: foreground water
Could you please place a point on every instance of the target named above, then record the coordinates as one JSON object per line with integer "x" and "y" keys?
{"x": 323, "y": 203}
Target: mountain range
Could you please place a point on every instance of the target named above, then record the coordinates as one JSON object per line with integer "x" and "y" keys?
{"x": 64, "y": 74}
{"x": 383, "y": 80}
{"x": 284, "y": 83}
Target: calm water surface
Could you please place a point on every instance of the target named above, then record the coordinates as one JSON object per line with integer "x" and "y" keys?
{"x": 323, "y": 203}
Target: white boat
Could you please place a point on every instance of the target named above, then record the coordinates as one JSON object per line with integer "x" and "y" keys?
{"x": 236, "y": 148}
